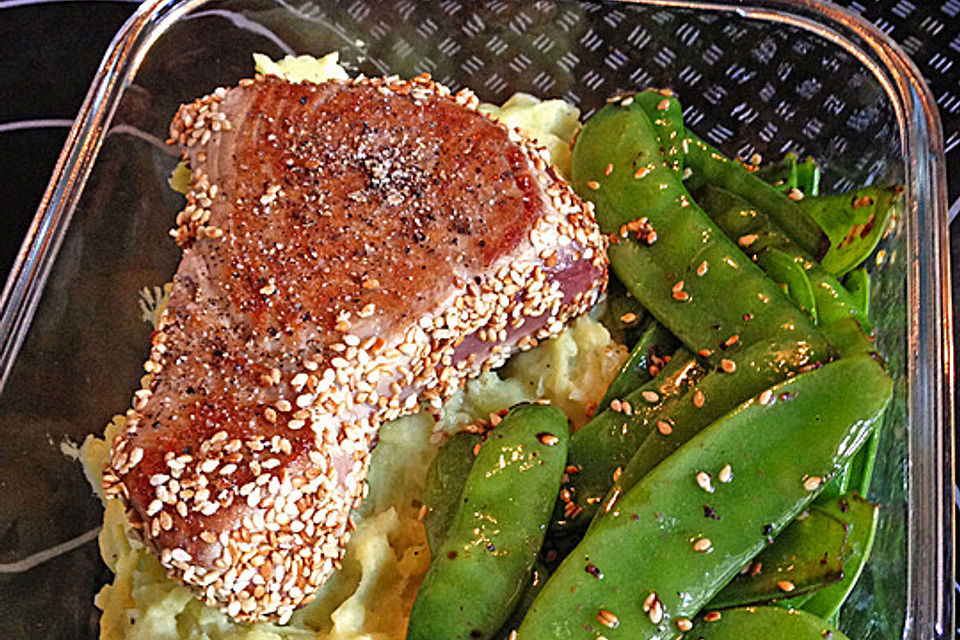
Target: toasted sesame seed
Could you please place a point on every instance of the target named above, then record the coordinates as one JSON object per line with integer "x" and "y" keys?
{"x": 747, "y": 239}
{"x": 702, "y": 545}
{"x": 765, "y": 397}
{"x": 371, "y": 283}
{"x": 608, "y": 170}
{"x": 726, "y": 474}
{"x": 608, "y": 619}
{"x": 704, "y": 481}
{"x": 755, "y": 569}
{"x": 628, "y": 318}
{"x": 732, "y": 340}
{"x": 728, "y": 366}
{"x": 698, "y": 398}
{"x": 548, "y": 439}
{"x": 664, "y": 427}
{"x": 703, "y": 268}
{"x": 650, "y": 396}
{"x": 812, "y": 483}
{"x": 704, "y": 353}
{"x": 655, "y": 613}
{"x": 642, "y": 172}
{"x": 795, "y": 194}
{"x": 786, "y": 586}
{"x": 268, "y": 289}
{"x": 711, "y": 616}
{"x": 616, "y": 406}
{"x": 593, "y": 184}
{"x": 684, "y": 624}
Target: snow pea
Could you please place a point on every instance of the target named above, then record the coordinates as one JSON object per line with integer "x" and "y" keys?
{"x": 666, "y": 116}
{"x": 655, "y": 342}
{"x": 861, "y": 519}
{"x": 854, "y": 222}
{"x": 789, "y": 173}
{"x": 754, "y": 369}
{"x": 651, "y": 563}
{"x": 665, "y": 250}
{"x": 807, "y": 556}
{"x": 608, "y": 441}
{"x": 709, "y": 166}
{"x": 771, "y": 623}
{"x": 758, "y": 235}
{"x": 785, "y": 270}
{"x": 444, "y": 483}
{"x": 857, "y": 283}
{"x": 622, "y": 315}
{"x": 498, "y": 530}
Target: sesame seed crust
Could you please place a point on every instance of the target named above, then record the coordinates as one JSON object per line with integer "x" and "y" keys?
{"x": 353, "y": 252}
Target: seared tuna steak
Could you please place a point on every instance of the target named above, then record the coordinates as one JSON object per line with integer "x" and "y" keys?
{"x": 352, "y": 251}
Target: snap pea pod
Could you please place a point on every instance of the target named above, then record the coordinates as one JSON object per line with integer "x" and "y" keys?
{"x": 782, "y": 174}
{"x": 635, "y": 372}
{"x": 754, "y": 369}
{"x": 788, "y": 173}
{"x": 669, "y": 254}
{"x": 857, "y": 283}
{"x": 770, "y": 623}
{"x": 532, "y": 587}
{"x": 498, "y": 530}
{"x": 758, "y": 235}
{"x": 444, "y": 483}
{"x": 861, "y": 519}
{"x": 782, "y": 268}
{"x": 622, "y": 315}
{"x": 807, "y": 556}
{"x": 709, "y": 166}
{"x": 854, "y": 222}
{"x": 659, "y": 556}
{"x": 609, "y": 440}
{"x": 666, "y": 116}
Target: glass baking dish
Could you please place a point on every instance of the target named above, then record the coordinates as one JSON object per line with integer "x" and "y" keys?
{"x": 762, "y": 77}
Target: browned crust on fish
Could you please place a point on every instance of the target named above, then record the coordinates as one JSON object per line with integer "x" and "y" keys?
{"x": 352, "y": 251}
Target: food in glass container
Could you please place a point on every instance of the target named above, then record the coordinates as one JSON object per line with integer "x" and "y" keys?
{"x": 692, "y": 384}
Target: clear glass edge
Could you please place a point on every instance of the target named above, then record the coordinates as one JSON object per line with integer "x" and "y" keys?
{"x": 930, "y": 580}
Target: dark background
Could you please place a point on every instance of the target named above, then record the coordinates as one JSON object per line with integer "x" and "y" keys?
{"x": 50, "y": 50}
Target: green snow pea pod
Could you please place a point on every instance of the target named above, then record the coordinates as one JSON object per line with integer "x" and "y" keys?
{"x": 493, "y": 542}
{"x": 857, "y": 283}
{"x": 531, "y": 589}
{"x": 861, "y": 519}
{"x": 782, "y": 174}
{"x": 650, "y": 564}
{"x": 601, "y": 447}
{"x": 444, "y": 483}
{"x": 788, "y": 173}
{"x": 807, "y": 556}
{"x": 854, "y": 222}
{"x": 655, "y": 342}
{"x": 666, "y": 116}
{"x": 847, "y": 337}
{"x": 770, "y": 623}
{"x": 785, "y": 270}
{"x": 709, "y": 166}
{"x": 622, "y": 315}
{"x": 674, "y": 260}
{"x": 759, "y": 235}
{"x": 743, "y": 375}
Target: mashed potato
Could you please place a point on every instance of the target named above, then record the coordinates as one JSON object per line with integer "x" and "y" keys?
{"x": 387, "y": 556}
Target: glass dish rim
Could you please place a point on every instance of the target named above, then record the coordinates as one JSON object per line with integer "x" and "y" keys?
{"x": 930, "y": 366}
